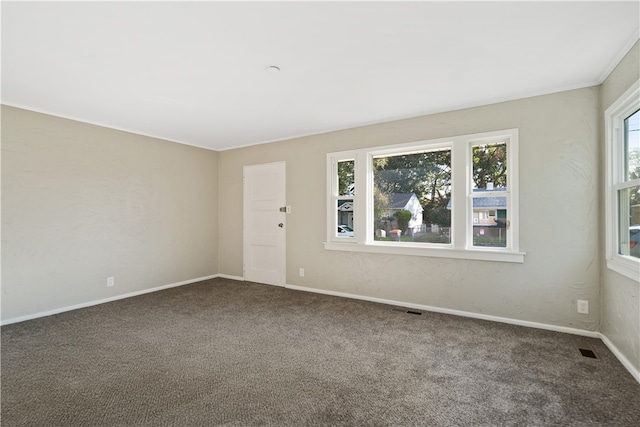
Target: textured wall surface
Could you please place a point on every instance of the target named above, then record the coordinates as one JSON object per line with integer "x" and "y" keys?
{"x": 81, "y": 203}
{"x": 620, "y": 295}
{"x": 558, "y": 212}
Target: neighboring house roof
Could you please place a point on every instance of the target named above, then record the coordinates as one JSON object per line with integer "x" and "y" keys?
{"x": 490, "y": 202}
{"x": 396, "y": 201}
{"x": 345, "y": 206}
{"x": 399, "y": 201}
{"x": 495, "y": 202}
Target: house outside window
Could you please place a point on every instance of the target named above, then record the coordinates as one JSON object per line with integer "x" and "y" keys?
{"x": 455, "y": 197}
{"x": 390, "y": 220}
{"x": 345, "y": 213}
{"x": 490, "y": 220}
{"x": 343, "y": 201}
{"x": 622, "y": 210}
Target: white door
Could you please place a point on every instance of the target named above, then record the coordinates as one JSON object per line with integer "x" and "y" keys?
{"x": 264, "y": 223}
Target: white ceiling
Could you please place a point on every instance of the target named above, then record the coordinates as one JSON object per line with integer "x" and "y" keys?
{"x": 195, "y": 72}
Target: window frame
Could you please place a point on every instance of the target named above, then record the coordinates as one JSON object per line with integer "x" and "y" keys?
{"x": 334, "y": 196}
{"x": 625, "y": 106}
{"x": 461, "y": 245}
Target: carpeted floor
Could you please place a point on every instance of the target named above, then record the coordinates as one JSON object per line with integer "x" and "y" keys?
{"x": 241, "y": 354}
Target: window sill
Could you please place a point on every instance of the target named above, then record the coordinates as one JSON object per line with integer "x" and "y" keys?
{"x": 628, "y": 267}
{"x": 445, "y": 252}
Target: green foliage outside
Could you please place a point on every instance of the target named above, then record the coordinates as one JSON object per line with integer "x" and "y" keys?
{"x": 403, "y": 217}
{"x": 495, "y": 242}
{"x": 423, "y": 238}
{"x": 346, "y": 182}
{"x": 380, "y": 207}
{"x": 490, "y": 165}
{"x": 428, "y": 175}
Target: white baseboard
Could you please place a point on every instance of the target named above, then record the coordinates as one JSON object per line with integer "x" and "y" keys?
{"x": 621, "y": 357}
{"x": 102, "y": 301}
{"x": 228, "y": 276}
{"x": 574, "y": 331}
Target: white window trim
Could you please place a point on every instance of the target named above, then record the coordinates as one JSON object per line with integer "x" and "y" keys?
{"x": 461, "y": 246}
{"x": 614, "y": 117}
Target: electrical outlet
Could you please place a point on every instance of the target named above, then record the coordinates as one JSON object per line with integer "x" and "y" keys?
{"x": 583, "y": 306}
{"x": 302, "y": 272}
{"x": 110, "y": 281}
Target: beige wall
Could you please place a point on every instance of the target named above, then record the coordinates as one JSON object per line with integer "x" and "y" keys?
{"x": 559, "y": 215}
{"x": 82, "y": 202}
{"x": 620, "y": 296}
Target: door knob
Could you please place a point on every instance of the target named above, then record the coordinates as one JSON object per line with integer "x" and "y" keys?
{"x": 281, "y": 225}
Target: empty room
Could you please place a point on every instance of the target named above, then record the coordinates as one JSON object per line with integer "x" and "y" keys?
{"x": 320, "y": 213}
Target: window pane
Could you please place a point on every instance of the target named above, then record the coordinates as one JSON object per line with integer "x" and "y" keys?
{"x": 345, "y": 218}
{"x": 490, "y": 222}
{"x": 489, "y": 166}
{"x": 411, "y": 197}
{"x": 629, "y": 232}
{"x": 346, "y": 182}
{"x": 632, "y": 146}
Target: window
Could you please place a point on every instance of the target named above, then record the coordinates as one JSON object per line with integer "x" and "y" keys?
{"x": 344, "y": 202}
{"x": 408, "y": 189}
{"x": 454, "y": 197}
{"x": 342, "y": 197}
{"x": 622, "y": 210}
{"x": 489, "y": 194}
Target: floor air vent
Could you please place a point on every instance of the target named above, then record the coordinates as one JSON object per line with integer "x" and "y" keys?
{"x": 587, "y": 351}
{"x": 405, "y": 310}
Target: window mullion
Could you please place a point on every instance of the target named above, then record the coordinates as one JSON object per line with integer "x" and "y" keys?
{"x": 513, "y": 186}
{"x": 332, "y": 184}
{"x": 461, "y": 203}
{"x": 360, "y": 200}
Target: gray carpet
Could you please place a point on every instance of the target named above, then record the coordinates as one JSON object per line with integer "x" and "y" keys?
{"x": 241, "y": 354}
